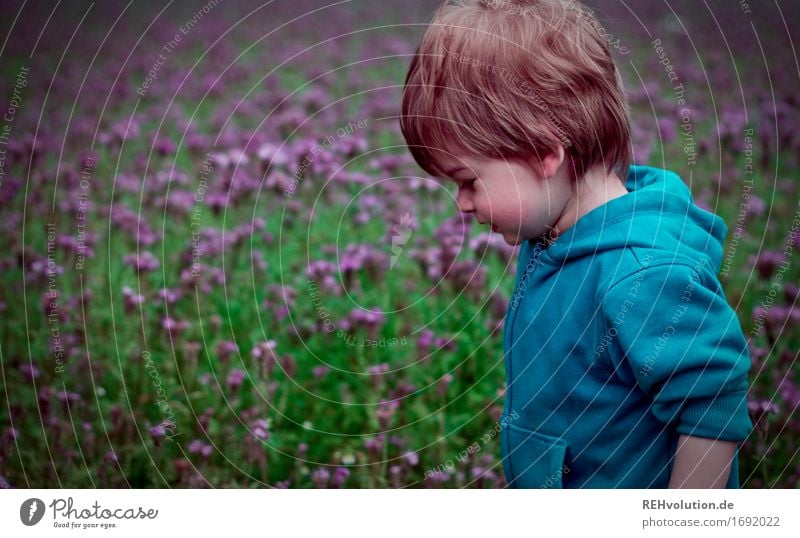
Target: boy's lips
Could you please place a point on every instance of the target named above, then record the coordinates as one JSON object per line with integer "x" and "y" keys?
{"x": 494, "y": 226}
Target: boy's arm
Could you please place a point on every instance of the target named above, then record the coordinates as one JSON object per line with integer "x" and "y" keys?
{"x": 701, "y": 463}
{"x": 680, "y": 342}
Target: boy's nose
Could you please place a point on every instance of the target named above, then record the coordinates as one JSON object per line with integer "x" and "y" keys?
{"x": 464, "y": 202}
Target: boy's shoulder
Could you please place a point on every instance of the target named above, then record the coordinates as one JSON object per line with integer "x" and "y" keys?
{"x": 637, "y": 263}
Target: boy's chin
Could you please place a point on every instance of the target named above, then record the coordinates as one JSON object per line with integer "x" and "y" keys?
{"x": 515, "y": 239}
{"x": 512, "y": 239}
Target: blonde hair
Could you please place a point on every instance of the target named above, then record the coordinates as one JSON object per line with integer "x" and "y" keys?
{"x": 512, "y": 79}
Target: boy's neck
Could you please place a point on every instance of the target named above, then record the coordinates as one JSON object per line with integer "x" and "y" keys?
{"x": 594, "y": 189}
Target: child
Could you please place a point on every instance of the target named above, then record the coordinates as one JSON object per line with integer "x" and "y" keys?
{"x": 625, "y": 365}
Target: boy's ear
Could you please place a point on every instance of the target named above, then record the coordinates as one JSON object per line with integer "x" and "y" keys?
{"x": 552, "y": 162}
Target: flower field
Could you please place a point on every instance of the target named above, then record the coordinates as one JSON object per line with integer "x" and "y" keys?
{"x": 220, "y": 266}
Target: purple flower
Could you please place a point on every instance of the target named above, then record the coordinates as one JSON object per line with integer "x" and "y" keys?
{"x": 11, "y": 435}
{"x": 377, "y": 372}
{"x": 261, "y": 429}
{"x": 397, "y": 441}
{"x": 264, "y": 353}
{"x": 757, "y": 354}
{"x": 320, "y": 477}
{"x": 143, "y": 262}
{"x": 401, "y": 390}
{"x": 124, "y": 130}
{"x": 29, "y": 371}
{"x": 235, "y": 379}
{"x": 216, "y": 201}
{"x": 385, "y": 412}
{"x": 411, "y": 457}
{"x": 782, "y": 317}
{"x": 50, "y": 301}
{"x": 761, "y": 407}
{"x": 131, "y": 223}
{"x": 164, "y": 146}
{"x": 42, "y": 269}
{"x": 273, "y": 155}
{"x": 353, "y": 145}
{"x": 378, "y": 369}
{"x": 288, "y": 365}
{"x": 174, "y": 327}
{"x": 88, "y": 160}
{"x": 667, "y": 128}
{"x": 791, "y": 292}
{"x": 323, "y": 272}
{"x": 477, "y": 472}
{"x": 361, "y": 218}
{"x": 71, "y": 244}
{"x": 755, "y": 206}
{"x": 221, "y": 160}
{"x": 205, "y": 419}
{"x": 225, "y": 349}
{"x": 359, "y": 256}
{"x": 437, "y": 477}
{"x": 238, "y": 157}
{"x": 340, "y": 475}
{"x": 258, "y": 260}
{"x": 374, "y": 444}
{"x": 170, "y": 296}
{"x": 389, "y": 164}
{"x": 790, "y": 393}
{"x": 263, "y": 349}
{"x": 199, "y": 447}
{"x": 469, "y": 276}
{"x": 279, "y": 182}
{"x": 425, "y": 339}
{"x": 766, "y": 261}
{"x": 486, "y": 242}
{"x": 67, "y": 397}
{"x": 371, "y": 320}
{"x": 442, "y": 342}
{"x": 318, "y": 270}
{"x": 196, "y": 142}
{"x": 158, "y": 432}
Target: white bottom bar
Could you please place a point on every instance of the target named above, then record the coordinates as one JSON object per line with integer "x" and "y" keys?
{"x": 399, "y": 513}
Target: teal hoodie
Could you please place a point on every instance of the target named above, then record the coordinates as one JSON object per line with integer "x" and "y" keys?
{"x": 618, "y": 339}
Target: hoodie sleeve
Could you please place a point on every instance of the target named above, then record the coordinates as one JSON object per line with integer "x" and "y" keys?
{"x": 681, "y": 343}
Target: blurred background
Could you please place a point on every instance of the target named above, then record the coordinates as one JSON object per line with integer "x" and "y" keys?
{"x": 221, "y": 268}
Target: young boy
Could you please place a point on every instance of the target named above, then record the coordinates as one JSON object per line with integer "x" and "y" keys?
{"x": 625, "y": 365}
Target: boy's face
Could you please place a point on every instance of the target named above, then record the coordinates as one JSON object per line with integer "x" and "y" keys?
{"x": 516, "y": 200}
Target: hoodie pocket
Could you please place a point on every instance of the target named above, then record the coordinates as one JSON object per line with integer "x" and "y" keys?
{"x": 532, "y": 460}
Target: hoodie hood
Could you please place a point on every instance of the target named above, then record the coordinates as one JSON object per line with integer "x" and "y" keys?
{"x": 657, "y": 213}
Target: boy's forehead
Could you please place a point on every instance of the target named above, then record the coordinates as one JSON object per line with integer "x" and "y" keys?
{"x": 453, "y": 163}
